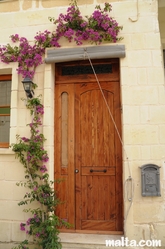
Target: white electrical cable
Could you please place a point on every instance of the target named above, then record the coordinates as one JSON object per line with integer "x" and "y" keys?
{"x": 129, "y": 185}
{"x": 109, "y": 111}
{"x": 137, "y": 14}
{"x": 129, "y": 181}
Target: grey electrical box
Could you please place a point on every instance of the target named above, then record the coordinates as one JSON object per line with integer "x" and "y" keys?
{"x": 150, "y": 180}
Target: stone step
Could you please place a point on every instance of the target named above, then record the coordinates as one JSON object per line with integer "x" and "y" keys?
{"x": 88, "y": 241}
{"x": 87, "y": 246}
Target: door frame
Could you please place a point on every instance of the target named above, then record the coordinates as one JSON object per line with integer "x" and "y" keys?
{"x": 71, "y": 137}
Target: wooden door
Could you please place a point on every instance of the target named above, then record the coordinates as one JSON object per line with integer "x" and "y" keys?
{"x": 88, "y": 155}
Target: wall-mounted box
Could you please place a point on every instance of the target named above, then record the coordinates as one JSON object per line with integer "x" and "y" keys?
{"x": 150, "y": 180}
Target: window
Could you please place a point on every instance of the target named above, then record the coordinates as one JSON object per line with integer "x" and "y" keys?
{"x": 5, "y": 97}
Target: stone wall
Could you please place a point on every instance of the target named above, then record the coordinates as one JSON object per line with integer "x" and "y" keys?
{"x": 143, "y": 109}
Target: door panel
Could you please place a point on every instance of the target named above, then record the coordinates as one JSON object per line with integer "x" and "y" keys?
{"x": 87, "y": 142}
{"x": 96, "y": 132}
{"x": 95, "y": 150}
{"x": 64, "y": 172}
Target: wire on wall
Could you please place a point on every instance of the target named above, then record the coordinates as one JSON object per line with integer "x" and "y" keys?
{"x": 137, "y": 14}
{"x": 129, "y": 183}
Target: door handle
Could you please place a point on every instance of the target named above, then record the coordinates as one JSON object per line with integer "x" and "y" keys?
{"x": 92, "y": 170}
{"x": 76, "y": 171}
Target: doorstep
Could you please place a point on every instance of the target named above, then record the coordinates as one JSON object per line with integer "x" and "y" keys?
{"x": 78, "y": 238}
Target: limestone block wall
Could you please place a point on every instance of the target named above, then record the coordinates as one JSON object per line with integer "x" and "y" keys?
{"x": 143, "y": 109}
{"x": 142, "y": 81}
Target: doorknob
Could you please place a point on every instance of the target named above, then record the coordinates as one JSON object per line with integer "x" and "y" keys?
{"x": 76, "y": 171}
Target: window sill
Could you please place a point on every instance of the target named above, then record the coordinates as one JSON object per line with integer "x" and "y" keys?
{"x": 6, "y": 151}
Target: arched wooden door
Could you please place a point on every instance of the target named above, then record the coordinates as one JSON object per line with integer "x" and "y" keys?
{"x": 88, "y": 153}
